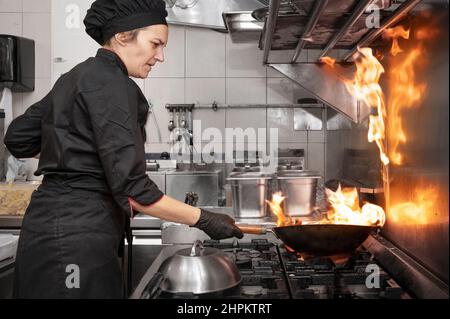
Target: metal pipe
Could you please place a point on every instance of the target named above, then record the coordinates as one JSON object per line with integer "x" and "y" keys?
{"x": 402, "y": 10}
{"x": 317, "y": 12}
{"x": 259, "y": 106}
{"x": 270, "y": 28}
{"x": 356, "y": 14}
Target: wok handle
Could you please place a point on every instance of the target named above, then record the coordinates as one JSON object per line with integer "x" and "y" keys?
{"x": 252, "y": 229}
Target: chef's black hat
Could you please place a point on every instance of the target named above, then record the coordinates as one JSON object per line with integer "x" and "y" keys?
{"x": 105, "y": 18}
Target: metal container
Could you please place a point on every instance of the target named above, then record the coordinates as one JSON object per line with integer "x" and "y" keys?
{"x": 250, "y": 191}
{"x": 205, "y": 184}
{"x": 199, "y": 270}
{"x": 299, "y": 188}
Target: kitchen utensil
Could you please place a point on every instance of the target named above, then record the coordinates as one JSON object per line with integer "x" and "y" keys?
{"x": 317, "y": 239}
{"x": 199, "y": 270}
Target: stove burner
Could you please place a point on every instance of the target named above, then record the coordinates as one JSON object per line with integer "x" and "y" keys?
{"x": 253, "y": 291}
{"x": 270, "y": 271}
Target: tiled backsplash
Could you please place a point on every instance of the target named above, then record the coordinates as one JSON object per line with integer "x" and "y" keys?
{"x": 30, "y": 19}
{"x": 201, "y": 66}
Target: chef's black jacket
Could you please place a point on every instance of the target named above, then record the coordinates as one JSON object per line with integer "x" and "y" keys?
{"x": 89, "y": 131}
{"x": 91, "y": 124}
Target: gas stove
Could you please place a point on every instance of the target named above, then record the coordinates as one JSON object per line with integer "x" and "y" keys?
{"x": 269, "y": 271}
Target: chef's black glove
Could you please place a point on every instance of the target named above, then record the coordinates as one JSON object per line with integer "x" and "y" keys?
{"x": 218, "y": 226}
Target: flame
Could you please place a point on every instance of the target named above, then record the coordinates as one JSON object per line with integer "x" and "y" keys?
{"x": 394, "y": 34}
{"x": 328, "y": 61}
{"x": 366, "y": 88}
{"x": 418, "y": 210}
{"x": 405, "y": 92}
{"x": 345, "y": 209}
{"x": 275, "y": 206}
{"x": 403, "y": 89}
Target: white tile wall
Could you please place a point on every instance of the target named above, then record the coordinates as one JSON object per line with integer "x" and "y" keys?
{"x": 36, "y": 5}
{"x": 42, "y": 87}
{"x": 164, "y": 91}
{"x": 11, "y": 23}
{"x": 205, "y": 53}
{"x": 30, "y": 19}
{"x": 10, "y": 5}
{"x": 245, "y": 118}
{"x": 37, "y": 26}
{"x": 160, "y": 92}
{"x": 244, "y": 60}
{"x": 246, "y": 91}
{"x": 205, "y": 90}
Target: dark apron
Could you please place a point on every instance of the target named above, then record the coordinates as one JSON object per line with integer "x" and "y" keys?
{"x": 69, "y": 243}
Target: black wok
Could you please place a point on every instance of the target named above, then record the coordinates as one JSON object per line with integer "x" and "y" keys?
{"x": 317, "y": 239}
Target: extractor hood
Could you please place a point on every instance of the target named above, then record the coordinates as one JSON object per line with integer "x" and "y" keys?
{"x": 317, "y": 24}
{"x": 207, "y": 13}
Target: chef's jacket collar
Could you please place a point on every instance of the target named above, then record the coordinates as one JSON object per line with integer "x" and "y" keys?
{"x": 113, "y": 57}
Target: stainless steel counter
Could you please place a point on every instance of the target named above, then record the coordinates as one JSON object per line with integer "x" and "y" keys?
{"x": 7, "y": 222}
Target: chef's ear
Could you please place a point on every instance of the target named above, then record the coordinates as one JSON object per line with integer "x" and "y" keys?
{"x": 121, "y": 38}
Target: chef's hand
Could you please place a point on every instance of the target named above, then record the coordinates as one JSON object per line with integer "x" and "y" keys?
{"x": 218, "y": 226}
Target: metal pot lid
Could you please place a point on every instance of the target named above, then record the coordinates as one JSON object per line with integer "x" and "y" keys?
{"x": 199, "y": 270}
{"x": 198, "y": 250}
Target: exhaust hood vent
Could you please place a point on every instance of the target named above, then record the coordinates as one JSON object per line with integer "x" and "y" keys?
{"x": 325, "y": 25}
{"x": 206, "y": 13}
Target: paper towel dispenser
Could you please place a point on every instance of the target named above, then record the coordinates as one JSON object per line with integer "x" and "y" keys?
{"x": 17, "y": 63}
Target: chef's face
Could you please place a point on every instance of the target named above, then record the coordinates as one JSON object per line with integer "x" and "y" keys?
{"x": 142, "y": 53}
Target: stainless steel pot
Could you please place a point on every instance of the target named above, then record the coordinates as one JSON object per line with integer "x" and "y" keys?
{"x": 299, "y": 188}
{"x": 199, "y": 270}
{"x": 250, "y": 191}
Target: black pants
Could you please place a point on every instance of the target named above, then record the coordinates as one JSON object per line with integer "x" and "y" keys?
{"x": 68, "y": 245}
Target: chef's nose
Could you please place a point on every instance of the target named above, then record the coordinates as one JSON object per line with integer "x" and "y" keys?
{"x": 160, "y": 55}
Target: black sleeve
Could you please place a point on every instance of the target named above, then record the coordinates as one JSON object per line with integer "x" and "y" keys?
{"x": 23, "y": 137}
{"x": 120, "y": 145}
